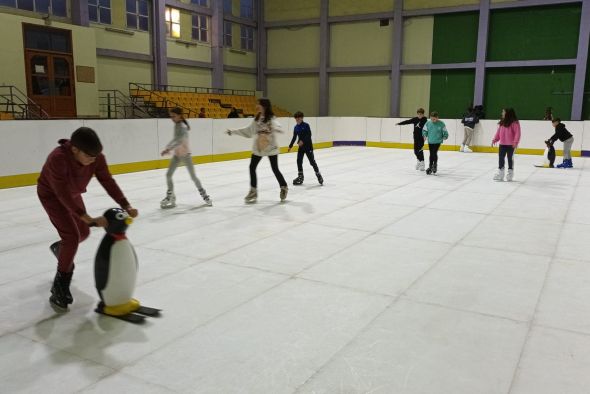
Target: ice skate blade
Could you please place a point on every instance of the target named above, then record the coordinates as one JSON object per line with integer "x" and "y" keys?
{"x": 57, "y": 308}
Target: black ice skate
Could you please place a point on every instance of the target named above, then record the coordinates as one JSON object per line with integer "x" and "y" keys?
{"x": 60, "y": 291}
{"x": 320, "y": 178}
{"x": 299, "y": 179}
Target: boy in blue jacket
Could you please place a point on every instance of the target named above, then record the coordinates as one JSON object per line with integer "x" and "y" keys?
{"x": 302, "y": 131}
{"x": 435, "y": 131}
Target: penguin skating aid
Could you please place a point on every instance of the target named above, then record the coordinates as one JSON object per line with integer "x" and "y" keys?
{"x": 115, "y": 272}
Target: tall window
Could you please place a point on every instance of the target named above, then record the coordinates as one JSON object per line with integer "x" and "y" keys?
{"x": 138, "y": 14}
{"x": 172, "y": 22}
{"x": 204, "y": 3}
{"x": 247, "y": 38}
{"x": 99, "y": 11}
{"x": 247, "y": 9}
{"x": 200, "y": 28}
{"x": 227, "y": 34}
{"x": 227, "y": 7}
{"x": 52, "y": 7}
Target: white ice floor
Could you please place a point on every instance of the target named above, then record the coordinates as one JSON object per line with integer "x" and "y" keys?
{"x": 384, "y": 280}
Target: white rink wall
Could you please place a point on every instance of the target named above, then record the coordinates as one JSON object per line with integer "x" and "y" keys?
{"x": 26, "y": 144}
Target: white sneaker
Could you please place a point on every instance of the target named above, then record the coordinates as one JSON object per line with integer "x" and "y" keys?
{"x": 461, "y": 148}
{"x": 422, "y": 166}
{"x": 499, "y": 176}
{"x": 509, "y": 175}
{"x": 418, "y": 165}
{"x": 467, "y": 150}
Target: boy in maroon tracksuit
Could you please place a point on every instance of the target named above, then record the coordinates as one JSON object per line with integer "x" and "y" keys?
{"x": 63, "y": 179}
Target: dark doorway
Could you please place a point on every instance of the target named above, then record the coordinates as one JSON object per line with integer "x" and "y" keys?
{"x": 50, "y": 69}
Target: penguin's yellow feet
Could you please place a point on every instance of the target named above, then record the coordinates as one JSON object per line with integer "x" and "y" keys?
{"x": 123, "y": 309}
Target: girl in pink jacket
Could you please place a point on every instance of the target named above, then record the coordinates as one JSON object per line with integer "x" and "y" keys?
{"x": 508, "y": 135}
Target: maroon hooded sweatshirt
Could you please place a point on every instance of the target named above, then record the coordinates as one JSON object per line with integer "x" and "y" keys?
{"x": 64, "y": 178}
{"x": 60, "y": 186}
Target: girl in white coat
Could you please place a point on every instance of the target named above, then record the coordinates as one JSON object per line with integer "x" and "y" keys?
{"x": 263, "y": 130}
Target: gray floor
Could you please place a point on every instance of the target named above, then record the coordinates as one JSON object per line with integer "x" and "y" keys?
{"x": 384, "y": 280}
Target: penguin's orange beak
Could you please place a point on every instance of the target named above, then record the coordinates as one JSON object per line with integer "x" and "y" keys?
{"x": 128, "y": 220}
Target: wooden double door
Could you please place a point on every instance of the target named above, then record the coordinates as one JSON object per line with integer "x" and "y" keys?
{"x": 50, "y": 79}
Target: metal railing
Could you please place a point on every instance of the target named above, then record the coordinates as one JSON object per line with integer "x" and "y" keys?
{"x": 194, "y": 89}
{"x": 114, "y": 104}
{"x": 155, "y": 104}
{"x": 19, "y": 105}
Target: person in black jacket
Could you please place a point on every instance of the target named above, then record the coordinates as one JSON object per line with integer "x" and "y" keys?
{"x": 233, "y": 113}
{"x": 567, "y": 138}
{"x": 302, "y": 131}
{"x": 419, "y": 121}
{"x": 469, "y": 121}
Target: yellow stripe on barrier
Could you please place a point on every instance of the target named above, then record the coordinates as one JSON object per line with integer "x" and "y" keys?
{"x": 10, "y": 181}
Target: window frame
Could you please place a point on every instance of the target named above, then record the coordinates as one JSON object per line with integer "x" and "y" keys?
{"x": 98, "y": 7}
{"x": 227, "y": 36}
{"x": 36, "y": 7}
{"x": 137, "y": 15}
{"x": 170, "y": 23}
{"x": 249, "y": 14}
{"x": 199, "y": 3}
{"x": 228, "y": 7}
{"x": 248, "y": 37}
{"x": 199, "y": 28}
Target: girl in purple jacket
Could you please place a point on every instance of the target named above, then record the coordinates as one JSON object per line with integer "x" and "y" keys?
{"x": 508, "y": 134}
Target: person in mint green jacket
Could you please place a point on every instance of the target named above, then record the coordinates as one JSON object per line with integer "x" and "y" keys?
{"x": 435, "y": 131}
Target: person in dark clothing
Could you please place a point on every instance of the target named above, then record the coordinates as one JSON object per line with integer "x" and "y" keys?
{"x": 548, "y": 114}
{"x": 233, "y": 113}
{"x": 549, "y": 154}
{"x": 302, "y": 132}
{"x": 562, "y": 134}
{"x": 479, "y": 111}
{"x": 419, "y": 121}
{"x": 64, "y": 177}
{"x": 469, "y": 121}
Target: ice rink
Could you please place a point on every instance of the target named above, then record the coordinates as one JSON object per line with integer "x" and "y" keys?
{"x": 384, "y": 280}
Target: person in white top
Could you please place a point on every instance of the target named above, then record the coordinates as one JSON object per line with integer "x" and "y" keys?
{"x": 263, "y": 130}
{"x": 182, "y": 154}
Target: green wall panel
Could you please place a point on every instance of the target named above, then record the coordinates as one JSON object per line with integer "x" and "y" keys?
{"x": 534, "y": 33}
{"x": 189, "y": 76}
{"x": 239, "y": 81}
{"x": 451, "y": 92}
{"x": 360, "y": 95}
{"x": 455, "y": 37}
{"x": 421, "y": 4}
{"x": 295, "y": 93}
{"x": 417, "y": 40}
{"x": 356, "y": 7}
{"x": 294, "y": 47}
{"x": 529, "y": 90}
{"x": 360, "y": 44}
{"x": 281, "y": 10}
{"x": 414, "y": 92}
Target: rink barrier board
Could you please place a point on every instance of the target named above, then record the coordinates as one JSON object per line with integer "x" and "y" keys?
{"x": 134, "y": 144}
{"x": 21, "y": 180}
{"x": 479, "y": 149}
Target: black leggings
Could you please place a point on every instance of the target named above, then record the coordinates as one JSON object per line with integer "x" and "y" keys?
{"x": 309, "y": 153}
{"x": 433, "y": 159}
{"x": 419, "y": 146}
{"x": 505, "y": 150}
{"x": 274, "y": 164}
